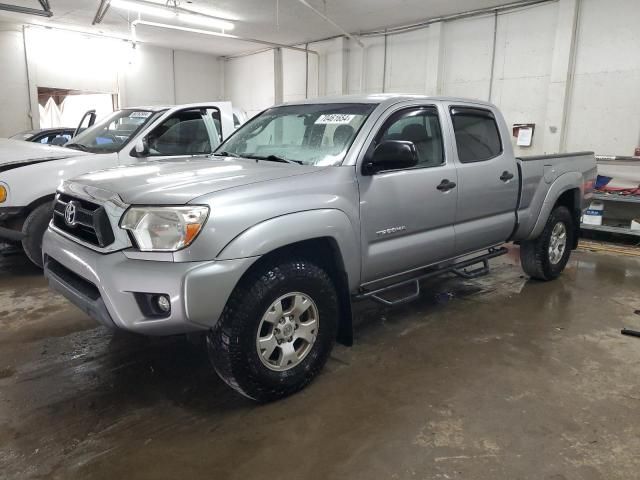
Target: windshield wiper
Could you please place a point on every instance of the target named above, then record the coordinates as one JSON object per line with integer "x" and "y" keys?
{"x": 273, "y": 158}
{"x": 225, "y": 154}
{"x": 77, "y": 146}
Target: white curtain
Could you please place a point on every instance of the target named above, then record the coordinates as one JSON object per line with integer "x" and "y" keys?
{"x": 50, "y": 114}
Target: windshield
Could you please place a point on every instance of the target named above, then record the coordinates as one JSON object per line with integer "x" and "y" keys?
{"x": 112, "y": 133}
{"x": 307, "y": 134}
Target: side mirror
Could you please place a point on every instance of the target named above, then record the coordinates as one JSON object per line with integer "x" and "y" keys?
{"x": 141, "y": 148}
{"x": 391, "y": 155}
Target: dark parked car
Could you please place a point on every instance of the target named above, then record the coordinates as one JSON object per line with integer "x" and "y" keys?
{"x": 51, "y": 136}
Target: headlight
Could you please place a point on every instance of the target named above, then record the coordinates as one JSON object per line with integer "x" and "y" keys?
{"x": 164, "y": 229}
{"x": 3, "y": 194}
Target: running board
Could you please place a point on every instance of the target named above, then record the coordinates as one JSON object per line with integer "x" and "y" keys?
{"x": 459, "y": 268}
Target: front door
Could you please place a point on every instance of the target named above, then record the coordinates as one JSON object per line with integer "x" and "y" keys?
{"x": 487, "y": 180}
{"x": 187, "y": 132}
{"x": 406, "y": 215}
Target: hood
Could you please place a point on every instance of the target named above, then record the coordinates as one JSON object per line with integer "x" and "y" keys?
{"x": 18, "y": 153}
{"x": 178, "y": 181}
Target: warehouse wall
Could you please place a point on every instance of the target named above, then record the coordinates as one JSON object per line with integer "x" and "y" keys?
{"x": 604, "y": 104}
{"x": 144, "y": 76}
{"x": 521, "y": 60}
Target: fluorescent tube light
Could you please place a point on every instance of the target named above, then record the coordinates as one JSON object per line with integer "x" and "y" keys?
{"x": 160, "y": 11}
{"x": 205, "y": 21}
{"x": 140, "y": 8}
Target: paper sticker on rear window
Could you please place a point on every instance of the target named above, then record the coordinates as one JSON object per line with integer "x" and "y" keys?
{"x": 334, "y": 119}
{"x": 140, "y": 115}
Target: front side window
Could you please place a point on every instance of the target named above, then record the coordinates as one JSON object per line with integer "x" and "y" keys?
{"x": 114, "y": 132}
{"x": 477, "y": 134}
{"x": 184, "y": 133}
{"x": 307, "y": 134}
{"x": 420, "y": 126}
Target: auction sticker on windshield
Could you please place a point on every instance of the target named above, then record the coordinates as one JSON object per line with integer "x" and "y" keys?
{"x": 140, "y": 115}
{"x": 334, "y": 119}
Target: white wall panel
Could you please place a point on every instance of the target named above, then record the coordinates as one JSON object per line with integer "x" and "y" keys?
{"x": 524, "y": 54}
{"x": 332, "y": 60}
{"x": 407, "y": 62}
{"x": 604, "y": 113}
{"x": 14, "y": 96}
{"x": 149, "y": 79}
{"x": 198, "y": 77}
{"x": 294, "y": 75}
{"x": 249, "y": 82}
{"x": 373, "y": 52}
{"x": 467, "y": 51}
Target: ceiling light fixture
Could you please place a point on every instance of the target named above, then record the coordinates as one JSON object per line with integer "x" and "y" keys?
{"x": 175, "y": 13}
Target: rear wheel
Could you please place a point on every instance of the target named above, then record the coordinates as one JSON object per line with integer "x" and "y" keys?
{"x": 34, "y": 228}
{"x": 277, "y": 330}
{"x": 545, "y": 257}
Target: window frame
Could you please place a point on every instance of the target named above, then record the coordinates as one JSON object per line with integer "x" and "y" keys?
{"x": 398, "y": 115}
{"x": 478, "y": 111}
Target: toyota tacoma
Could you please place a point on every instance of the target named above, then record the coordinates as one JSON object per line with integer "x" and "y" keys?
{"x": 265, "y": 244}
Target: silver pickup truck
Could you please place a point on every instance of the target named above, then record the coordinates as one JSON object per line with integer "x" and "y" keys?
{"x": 307, "y": 207}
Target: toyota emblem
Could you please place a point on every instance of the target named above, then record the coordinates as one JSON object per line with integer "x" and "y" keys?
{"x": 70, "y": 214}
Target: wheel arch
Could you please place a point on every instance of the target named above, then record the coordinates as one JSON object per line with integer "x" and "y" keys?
{"x": 567, "y": 191}
{"x": 39, "y": 201}
{"x": 571, "y": 199}
{"x": 324, "y": 251}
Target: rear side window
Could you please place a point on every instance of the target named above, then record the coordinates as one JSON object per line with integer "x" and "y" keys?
{"x": 477, "y": 135}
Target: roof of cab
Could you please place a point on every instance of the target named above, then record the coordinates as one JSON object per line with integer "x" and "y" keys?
{"x": 158, "y": 108}
{"x": 387, "y": 98}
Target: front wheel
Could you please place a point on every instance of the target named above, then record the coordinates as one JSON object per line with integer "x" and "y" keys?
{"x": 545, "y": 257}
{"x": 277, "y": 330}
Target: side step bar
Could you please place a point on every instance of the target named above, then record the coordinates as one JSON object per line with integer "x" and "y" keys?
{"x": 459, "y": 268}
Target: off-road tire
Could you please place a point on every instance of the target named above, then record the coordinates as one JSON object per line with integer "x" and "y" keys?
{"x": 534, "y": 254}
{"x": 232, "y": 342}
{"x": 33, "y": 229}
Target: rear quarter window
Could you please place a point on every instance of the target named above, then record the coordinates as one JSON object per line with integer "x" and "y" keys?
{"x": 477, "y": 134}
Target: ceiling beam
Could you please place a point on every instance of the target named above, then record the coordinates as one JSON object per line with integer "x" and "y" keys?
{"x": 103, "y": 8}
{"x": 45, "y": 12}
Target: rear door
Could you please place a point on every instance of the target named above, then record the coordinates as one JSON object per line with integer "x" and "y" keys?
{"x": 406, "y": 220}
{"x": 487, "y": 179}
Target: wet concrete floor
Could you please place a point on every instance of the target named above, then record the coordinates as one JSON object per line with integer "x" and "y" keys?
{"x": 495, "y": 378}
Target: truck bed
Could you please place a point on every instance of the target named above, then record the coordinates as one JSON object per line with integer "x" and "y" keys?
{"x": 542, "y": 174}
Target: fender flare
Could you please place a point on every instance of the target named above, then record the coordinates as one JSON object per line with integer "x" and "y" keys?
{"x": 278, "y": 232}
{"x": 565, "y": 182}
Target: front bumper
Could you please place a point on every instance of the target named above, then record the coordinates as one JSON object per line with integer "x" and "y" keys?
{"x": 105, "y": 286}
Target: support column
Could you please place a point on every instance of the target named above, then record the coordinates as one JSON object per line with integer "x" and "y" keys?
{"x": 344, "y": 44}
{"x": 562, "y": 67}
{"x": 434, "y": 59}
{"x": 277, "y": 76}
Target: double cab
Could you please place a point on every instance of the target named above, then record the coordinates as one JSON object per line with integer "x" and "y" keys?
{"x": 265, "y": 244}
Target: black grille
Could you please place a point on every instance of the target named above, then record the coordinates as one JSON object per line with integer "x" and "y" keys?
{"x": 90, "y": 222}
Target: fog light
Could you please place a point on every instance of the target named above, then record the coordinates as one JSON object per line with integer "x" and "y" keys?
{"x": 163, "y": 303}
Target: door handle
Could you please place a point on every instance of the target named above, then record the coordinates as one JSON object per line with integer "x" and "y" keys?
{"x": 446, "y": 185}
{"x": 506, "y": 176}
